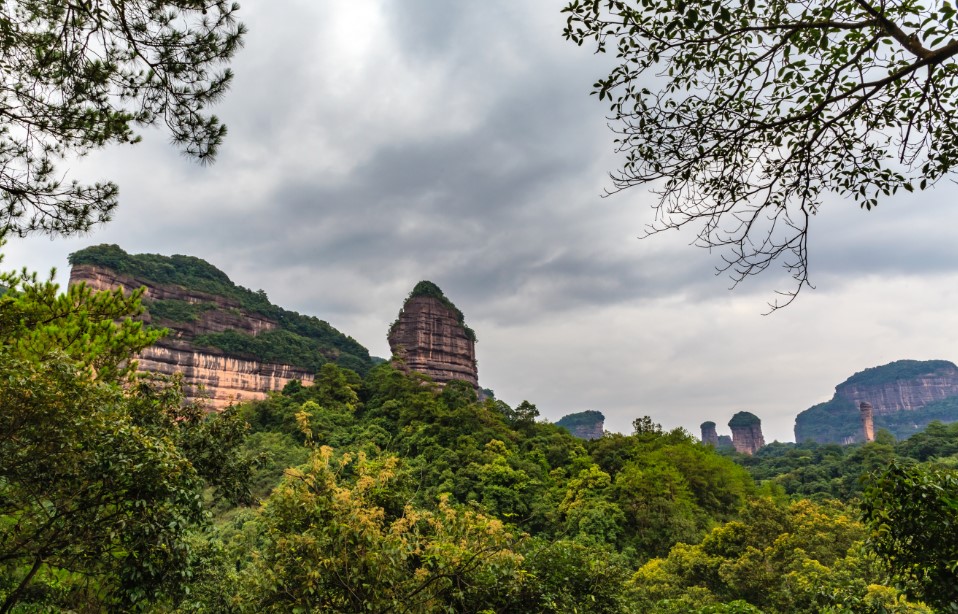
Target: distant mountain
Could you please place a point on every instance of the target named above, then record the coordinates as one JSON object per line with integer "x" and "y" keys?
{"x": 226, "y": 339}
{"x": 906, "y": 395}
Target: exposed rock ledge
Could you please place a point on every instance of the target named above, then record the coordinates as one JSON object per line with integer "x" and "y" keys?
{"x": 208, "y": 376}
{"x": 219, "y": 381}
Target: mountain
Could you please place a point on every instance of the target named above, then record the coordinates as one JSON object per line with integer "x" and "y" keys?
{"x": 588, "y": 424}
{"x": 905, "y": 395}
{"x": 229, "y": 342}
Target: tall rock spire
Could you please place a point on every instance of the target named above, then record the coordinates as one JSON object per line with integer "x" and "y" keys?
{"x": 430, "y": 336}
{"x": 747, "y": 435}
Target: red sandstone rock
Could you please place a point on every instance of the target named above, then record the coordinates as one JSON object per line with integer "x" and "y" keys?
{"x": 208, "y": 375}
{"x": 747, "y": 435}
{"x": 429, "y": 338}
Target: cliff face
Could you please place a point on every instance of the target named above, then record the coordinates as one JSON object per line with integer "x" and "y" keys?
{"x": 903, "y": 397}
{"x": 747, "y": 435}
{"x": 430, "y": 338}
{"x": 906, "y": 394}
{"x": 209, "y": 374}
{"x": 219, "y": 380}
{"x": 584, "y": 425}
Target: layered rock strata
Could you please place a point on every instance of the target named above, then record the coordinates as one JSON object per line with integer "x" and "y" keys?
{"x": 429, "y": 337}
{"x": 209, "y": 375}
{"x": 747, "y": 435}
{"x": 903, "y": 394}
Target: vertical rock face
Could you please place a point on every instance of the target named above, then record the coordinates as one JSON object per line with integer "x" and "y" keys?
{"x": 430, "y": 337}
{"x": 709, "y": 434}
{"x": 909, "y": 385}
{"x": 868, "y": 421}
{"x": 209, "y": 376}
{"x": 746, "y": 432}
{"x": 584, "y": 425}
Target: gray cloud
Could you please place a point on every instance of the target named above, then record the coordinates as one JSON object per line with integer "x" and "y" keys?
{"x": 374, "y": 144}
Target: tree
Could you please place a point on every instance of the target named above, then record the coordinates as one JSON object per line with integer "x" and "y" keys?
{"x": 911, "y": 514}
{"x": 77, "y": 76}
{"x": 100, "y": 470}
{"x": 746, "y": 114}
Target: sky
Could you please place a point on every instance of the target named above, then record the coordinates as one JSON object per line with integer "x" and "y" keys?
{"x": 374, "y": 144}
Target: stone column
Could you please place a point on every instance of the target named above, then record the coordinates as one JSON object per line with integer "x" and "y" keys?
{"x": 709, "y": 434}
{"x": 868, "y": 420}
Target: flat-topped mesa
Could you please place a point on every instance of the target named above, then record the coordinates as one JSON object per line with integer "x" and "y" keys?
{"x": 746, "y": 432}
{"x": 709, "y": 434}
{"x": 588, "y": 424}
{"x": 430, "y": 336}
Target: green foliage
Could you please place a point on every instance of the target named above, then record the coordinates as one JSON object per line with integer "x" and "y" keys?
{"x": 911, "y": 513}
{"x": 744, "y": 418}
{"x": 799, "y": 558}
{"x": 582, "y": 418}
{"x": 900, "y": 370}
{"x": 100, "y": 471}
{"x": 328, "y": 545}
{"x": 77, "y": 77}
{"x": 177, "y": 311}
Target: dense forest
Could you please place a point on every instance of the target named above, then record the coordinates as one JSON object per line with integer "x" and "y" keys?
{"x": 386, "y": 493}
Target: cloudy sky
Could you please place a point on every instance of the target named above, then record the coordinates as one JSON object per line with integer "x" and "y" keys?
{"x": 374, "y": 144}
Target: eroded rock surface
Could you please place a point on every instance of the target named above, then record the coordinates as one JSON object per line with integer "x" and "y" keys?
{"x": 429, "y": 337}
{"x": 747, "y": 435}
{"x": 208, "y": 374}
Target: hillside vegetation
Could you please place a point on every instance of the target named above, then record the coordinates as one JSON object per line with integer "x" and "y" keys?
{"x": 386, "y": 493}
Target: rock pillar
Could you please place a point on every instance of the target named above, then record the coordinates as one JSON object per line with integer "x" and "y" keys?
{"x": 746, "y": 432}
{"x": 868, "y": 420}
{"x": 709, "y": 434}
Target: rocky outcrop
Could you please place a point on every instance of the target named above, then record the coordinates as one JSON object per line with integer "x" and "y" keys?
{"x": 747, "y": 435}
{"x": 219, "y": 314}
{"x": 907, "y": 392}
{"x": 584, "y": 424}
{"x": 904, "y": 397}
{"x": 216, "y": 380}
{"x": 430, "y": 337}
{"x": 868, "y": 420}
{"x": 211, "y": 375}
{"x": 709, "y": 434}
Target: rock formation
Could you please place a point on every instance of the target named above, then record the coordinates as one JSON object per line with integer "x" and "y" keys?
{"x": 709, "y": 434}
{"x": 746, "y": 432}
{"x": 921, "y": 384}
{"x": 905, "y": 396}
{"x": 430, "y": 337}
{"x": 584, "y": 424}
{"x": 216, "y": 376}
{"x": 868, "y": 420}
{"x": 208, "y": 375}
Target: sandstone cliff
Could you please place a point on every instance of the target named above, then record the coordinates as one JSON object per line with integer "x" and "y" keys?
{"x": 584, "y": 424}
{"x": 747, "y": 435}
{"x": 220, "y": 339}
{"x": 430, "y": 337}
{"x": 904, "y": 396}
